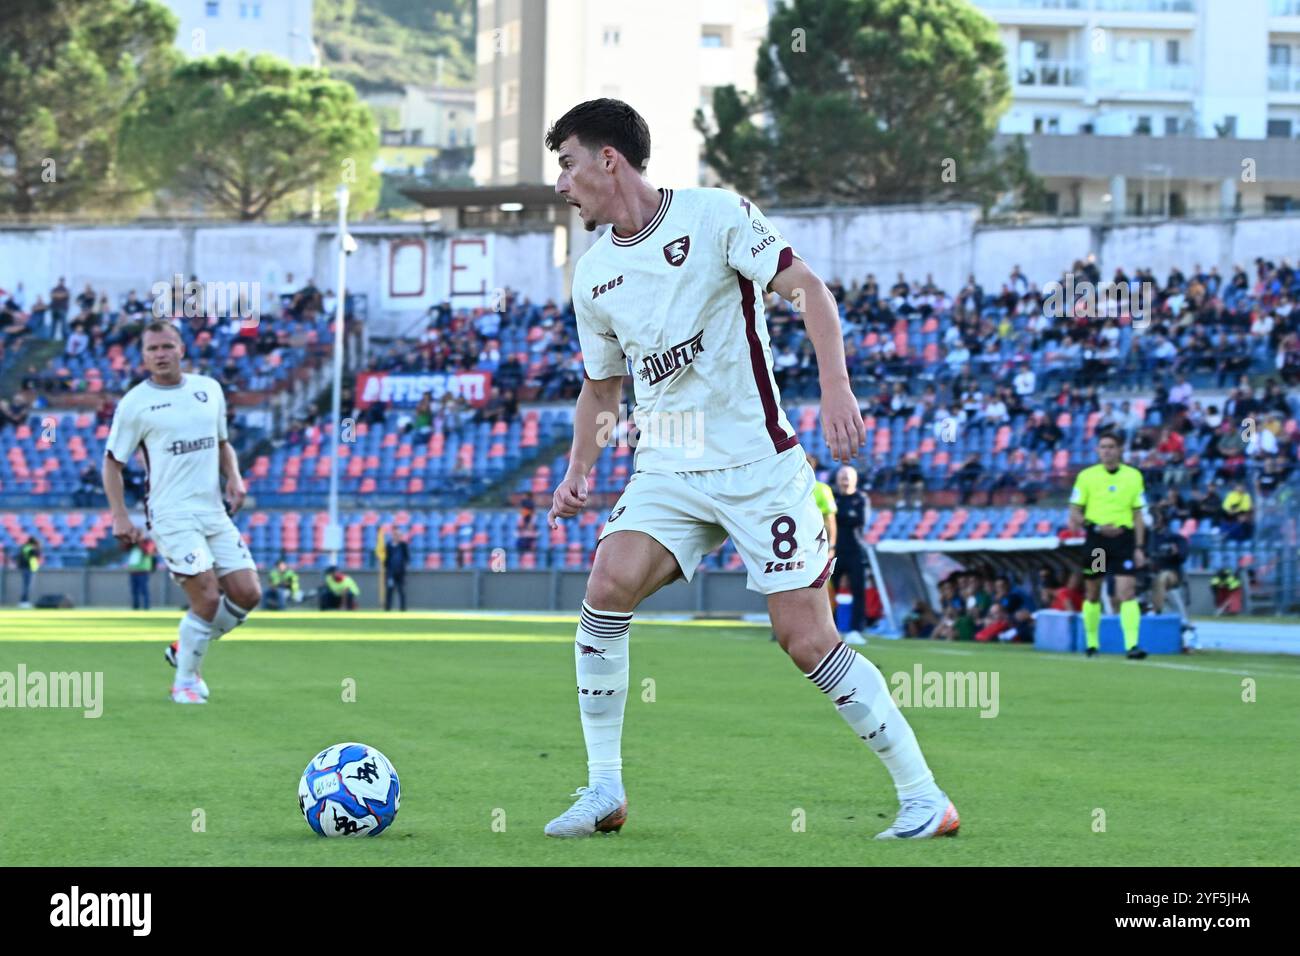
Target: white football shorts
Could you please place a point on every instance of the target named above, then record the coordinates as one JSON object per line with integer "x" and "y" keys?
{"x": 194, "y": 543}
{"x": 765, "y": 507}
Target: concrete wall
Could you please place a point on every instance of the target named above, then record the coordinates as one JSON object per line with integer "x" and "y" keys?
{"x": 716, "y": 591}
{"x": 711, "y": 592}
{"x": 403, "y": 269}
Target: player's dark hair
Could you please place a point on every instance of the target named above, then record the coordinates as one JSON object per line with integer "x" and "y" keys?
{"x": 601, "y": 123}
{"x": 161, "y": 325}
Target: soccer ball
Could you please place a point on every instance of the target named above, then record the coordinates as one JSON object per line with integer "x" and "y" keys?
{"x": 349, "y": 790}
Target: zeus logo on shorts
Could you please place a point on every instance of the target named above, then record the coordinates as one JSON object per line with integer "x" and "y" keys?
{"x": 614, "y": 515}
{"x": 772, "y": 566}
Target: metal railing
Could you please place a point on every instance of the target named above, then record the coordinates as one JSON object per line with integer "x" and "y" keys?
{"x": 1177, "y": 79}
{"x": 1052, "y": 73}
{"x": 1284, "y": 79}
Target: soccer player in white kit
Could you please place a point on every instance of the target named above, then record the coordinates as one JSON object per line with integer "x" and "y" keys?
{"x": 178, "y": 422}
{"x": 675, "y": 291}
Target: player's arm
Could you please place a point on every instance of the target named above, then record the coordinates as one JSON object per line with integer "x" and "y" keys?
{"x": 831, "y": 529}
{"x": 841, "y": 417}
{"x": 1078, "y": 499}
{"x": 124, "y": 436}
{"x": 597, "y": 408}
{"x": 123, "y": 528}
{"x": 235, "y": 490}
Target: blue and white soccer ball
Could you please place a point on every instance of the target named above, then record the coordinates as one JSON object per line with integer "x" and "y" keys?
{"x": 349, "y": 790}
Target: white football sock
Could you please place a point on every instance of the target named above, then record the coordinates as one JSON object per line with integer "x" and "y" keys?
{"x": 601, "y": 655}
{"x": 860, "y": 695}
{"x": 228, "y": 617}
{"x": 195, "y": 634}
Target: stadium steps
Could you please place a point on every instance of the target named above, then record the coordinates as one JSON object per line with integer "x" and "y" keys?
{"x": 499, "y": 491}
{"x": 33, "y": 352}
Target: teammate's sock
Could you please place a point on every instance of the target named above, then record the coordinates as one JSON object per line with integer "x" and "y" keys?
{"x": 1092, "y": 623}
{"x": 601, "y": 655}
{"x": 228, "y": 617}
{"x": 860, "y": 695}
{"x": 195, "y": 634}
{"x": 1130, "y": 620}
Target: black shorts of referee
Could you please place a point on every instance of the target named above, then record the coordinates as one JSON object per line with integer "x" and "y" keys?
{"x": 1117, "y": 551}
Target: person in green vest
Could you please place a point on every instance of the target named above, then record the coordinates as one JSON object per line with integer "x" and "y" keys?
{"x": 339, "y": 590}
{"x": 284, "y": 586}
{"x": 1107, "y": 502}
{"x": 139, "y": 565}
{"x": 29, "y": 560}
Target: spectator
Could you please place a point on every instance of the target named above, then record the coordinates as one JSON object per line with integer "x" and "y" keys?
{"x": 338, "y": 590}
{"x": 920, "y": 621}
{"x": 968, "y": 475}
{"x": 60, "y": 299}
{"x": 1227, "y": 590}
{"x": 395, "y": 564}
{"x": 1069, "y": 597}
{"x": 1238, "y": 508}
{"x": 283, "y": 587}
{"x": 911, "y": 481}
{"x": 88, "y": 491}
{"x": 1208, "y": 507}
{"x": 851, "y": 511}
{"x": 29, "y": 562}
{"x": 526, "y": 529}
{"x": 140, "y": 562}
{"x": 1168, "y": 550}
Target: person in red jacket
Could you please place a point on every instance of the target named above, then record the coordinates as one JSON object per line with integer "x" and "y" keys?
{"x": 1070, "y": 596}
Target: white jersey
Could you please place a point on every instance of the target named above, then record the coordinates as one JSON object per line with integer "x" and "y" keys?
{"x": 178, "y": 429}
{"x": 681, "y": 303}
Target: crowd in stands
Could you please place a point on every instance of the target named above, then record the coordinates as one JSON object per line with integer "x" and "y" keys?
{"x": 979, "y": 605}
{"x": 530, "y": 350}
{"x": 984, "y": 392}
{"x": 1194, "y": 322}
{"x": 224, "y": 339}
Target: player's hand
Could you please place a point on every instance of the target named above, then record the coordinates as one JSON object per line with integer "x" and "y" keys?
{"x": 1139, "y": 558}
{"x": 842, "y": 423}
{"x": 235, "y": 495}
{"x": 1109, "y": 530}
{"x": 568, "y": 500}
{"x": 125, "y": 531}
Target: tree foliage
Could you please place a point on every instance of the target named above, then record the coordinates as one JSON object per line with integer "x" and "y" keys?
{"x": 71, "y": 72}
{"x": 387, "y": 44}
{"x": 869, "y": 101}
{"x": 255, "y": 136}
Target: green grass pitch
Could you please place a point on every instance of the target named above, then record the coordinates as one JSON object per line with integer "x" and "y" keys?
{"x": 479, "y": 717}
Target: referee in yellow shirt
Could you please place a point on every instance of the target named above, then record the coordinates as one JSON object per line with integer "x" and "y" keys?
{"x": 1107, "y": 502}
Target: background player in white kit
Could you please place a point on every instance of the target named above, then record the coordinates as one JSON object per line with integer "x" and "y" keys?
{"x": 675, "y": 289}
{"x": 178, "y": 422}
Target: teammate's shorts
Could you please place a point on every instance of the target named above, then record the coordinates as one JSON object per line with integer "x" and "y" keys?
{"x": 194, "y": 543}
{"x": 1118, "y": 552}
{"x": 765, "y": 507}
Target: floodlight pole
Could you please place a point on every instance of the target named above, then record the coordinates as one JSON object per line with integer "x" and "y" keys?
{"x": 333, "y": 531}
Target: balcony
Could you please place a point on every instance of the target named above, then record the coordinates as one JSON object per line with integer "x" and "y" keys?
{"x": 1114, "y": 6}
{"x": 1033, "y": 4}
{"x": 1049, "y": 73}
{"x": 1146, "y": 6}
{"x": 1284, "y": 79}
{"x": 1133, "y": 78}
